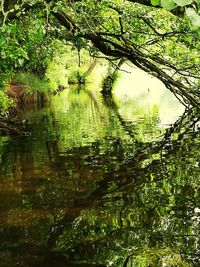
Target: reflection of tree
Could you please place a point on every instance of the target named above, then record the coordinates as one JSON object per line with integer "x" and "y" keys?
{"x": 144, "y": 210}
{"x": 109, "y": 199}
{"x": 185, "y": 123}
{"x": 139, "y": 129}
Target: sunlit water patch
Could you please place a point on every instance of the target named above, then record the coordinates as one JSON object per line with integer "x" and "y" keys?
{"x": 140, "y": 94}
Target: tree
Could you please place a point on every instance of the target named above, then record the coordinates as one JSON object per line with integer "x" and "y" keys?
{"x": 159, "y": 37}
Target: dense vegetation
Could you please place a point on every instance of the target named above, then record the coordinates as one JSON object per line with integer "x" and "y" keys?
{"x": 160, "y": 37}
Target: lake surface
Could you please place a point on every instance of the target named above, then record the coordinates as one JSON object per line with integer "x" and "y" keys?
{"x": 103, "y": 181}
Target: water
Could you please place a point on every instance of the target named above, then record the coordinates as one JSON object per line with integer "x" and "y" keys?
{"x": 103, "y": 181}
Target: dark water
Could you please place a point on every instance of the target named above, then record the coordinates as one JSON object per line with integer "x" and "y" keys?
{"x": 101, "y": 182}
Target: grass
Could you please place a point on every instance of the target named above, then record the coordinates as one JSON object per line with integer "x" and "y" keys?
{"x": 32, "y": 89}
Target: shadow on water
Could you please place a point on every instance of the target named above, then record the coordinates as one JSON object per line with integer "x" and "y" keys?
{"x": 92, "y": 188}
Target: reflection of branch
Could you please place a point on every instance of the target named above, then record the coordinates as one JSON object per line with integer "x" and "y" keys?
{"x": 143, "y": 152}
{"x": 91, "y": 67}
{"x": 96, "y": 104}
{"x": 186, "y": 121}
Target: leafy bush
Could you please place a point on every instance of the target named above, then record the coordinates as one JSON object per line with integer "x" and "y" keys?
{"x": 38, "y": 44}
{"x": 24, "y": 46}
{"x": 12, "y": 54}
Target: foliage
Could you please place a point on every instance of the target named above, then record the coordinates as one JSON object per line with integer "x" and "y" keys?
{"x": 56, "y": 74}
{"x": 192, "y": 8}
{"x": 38, "y": 44}
{"x": 68, "y": 65}
{"x": 5, "y": 103}
{"x": 133, "y": 30}
{"x": 77, "y": 64}
{"x": 24, "y": 45}
{"x": 12, "y": 54}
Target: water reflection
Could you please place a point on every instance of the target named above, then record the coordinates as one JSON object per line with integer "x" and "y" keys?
{"x": 140, "y": 93}
{"x": 96, "y": 186}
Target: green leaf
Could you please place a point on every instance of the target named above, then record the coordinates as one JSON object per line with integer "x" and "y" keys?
{"x": 18, "y": 14}
{"x": 155, "y": 2}
{"x": 193, "y": 16}
{"x": 183, "y": 2}
{"x": 17, "y": 7}
{"x": 169, "y": 4}
{"x": 20, "y": 61}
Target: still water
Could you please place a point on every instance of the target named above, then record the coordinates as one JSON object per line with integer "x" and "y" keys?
{"x": 103, "y": 181}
